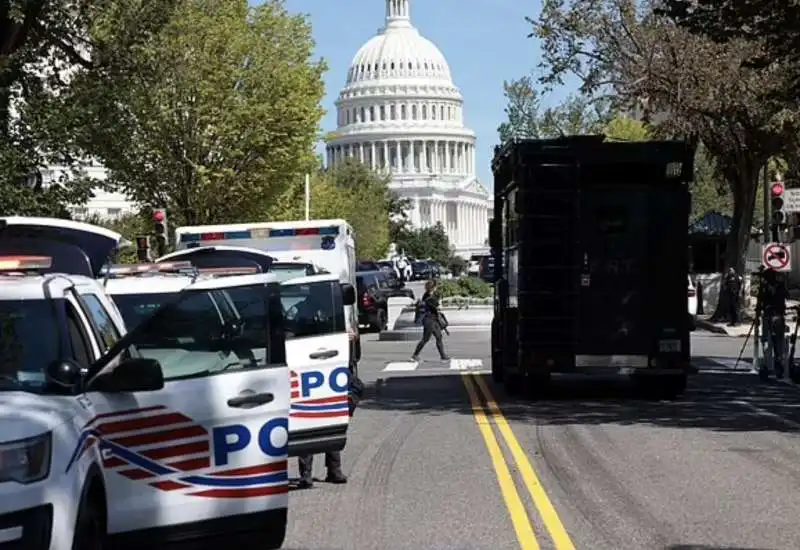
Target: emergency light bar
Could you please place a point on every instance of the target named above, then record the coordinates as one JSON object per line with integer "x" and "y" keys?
{"x": 330, "y": 231}
{"x": 23, "y": 263}
{"x": 135, "y": 269}
{"x": 227, "y": 270}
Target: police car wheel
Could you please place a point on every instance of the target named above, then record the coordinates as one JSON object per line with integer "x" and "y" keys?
{"x": 90, "y": 529}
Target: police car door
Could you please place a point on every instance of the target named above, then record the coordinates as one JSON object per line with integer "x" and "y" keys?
{"x": 317, "y": 351}
{"x": 211, "y": 443}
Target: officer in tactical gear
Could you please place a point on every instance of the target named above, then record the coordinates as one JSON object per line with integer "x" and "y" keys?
{"x": 732, "y": 286}
{"x": 771, "y": 306}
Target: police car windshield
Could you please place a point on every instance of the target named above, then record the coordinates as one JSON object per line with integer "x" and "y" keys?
{"x": 313, "y": 309}
{"x": 135, "y": 308}
{"x": 285, "y": 270}
{"x": 29, "y": 341}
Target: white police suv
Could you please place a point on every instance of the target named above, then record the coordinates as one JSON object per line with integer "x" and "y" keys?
{"x": 172, "y": 434}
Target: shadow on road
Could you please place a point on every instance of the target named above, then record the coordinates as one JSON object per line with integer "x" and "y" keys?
{"x": 705, "y": 547}
{"x": 722, "y": 402}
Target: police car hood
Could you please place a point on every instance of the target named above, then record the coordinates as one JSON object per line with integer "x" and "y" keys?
{"x": 24, "y": 414}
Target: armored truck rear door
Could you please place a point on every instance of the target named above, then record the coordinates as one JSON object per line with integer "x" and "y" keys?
{"x": 612, "y": 304}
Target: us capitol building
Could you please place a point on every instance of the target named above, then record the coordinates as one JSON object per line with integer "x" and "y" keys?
{"x": 401, "y": 113}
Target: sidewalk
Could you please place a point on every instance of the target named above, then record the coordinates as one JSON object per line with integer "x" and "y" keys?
{"x": 742, "y": 328}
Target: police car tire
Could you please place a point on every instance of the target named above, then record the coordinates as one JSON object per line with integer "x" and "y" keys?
{"x": 90, "y": 526}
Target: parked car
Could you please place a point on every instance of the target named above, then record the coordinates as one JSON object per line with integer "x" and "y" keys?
{"x": 396, "y": 287}
{"x": 367, "y": 265}
{"x": 424, "y": 269}
{"x": 386, "y": 265}
{"x": 692, "y": 292}
{"x": 372, "y": 303}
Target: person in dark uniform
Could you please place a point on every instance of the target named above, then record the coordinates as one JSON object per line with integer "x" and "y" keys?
{"x": 732, "y": 286}
{"x": 771, "y": 303}
{"x": 429, "y": 314}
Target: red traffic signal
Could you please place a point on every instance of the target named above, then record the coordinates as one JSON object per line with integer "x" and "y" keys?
{"x": 159, "y": 216}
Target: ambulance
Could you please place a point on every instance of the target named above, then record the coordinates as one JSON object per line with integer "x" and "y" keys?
{"x": 104, "y": 445}
{"x": 315, "y": 303}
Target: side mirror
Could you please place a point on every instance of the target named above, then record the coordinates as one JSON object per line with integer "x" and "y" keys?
{"x": 348, "y": 294}
{"x": 134, "y": 374}
{"x": 65, "y": 373}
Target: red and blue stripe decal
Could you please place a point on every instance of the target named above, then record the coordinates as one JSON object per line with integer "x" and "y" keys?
{"x": 169, "y": 451}
{"x": 335, "y": 406}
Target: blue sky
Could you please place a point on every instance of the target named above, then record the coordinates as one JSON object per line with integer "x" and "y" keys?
{"x": 484, "y": 42}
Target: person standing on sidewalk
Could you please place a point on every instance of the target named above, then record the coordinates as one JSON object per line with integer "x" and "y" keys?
{"x": 429, "y": 315}
{"x": 732, "y": 285}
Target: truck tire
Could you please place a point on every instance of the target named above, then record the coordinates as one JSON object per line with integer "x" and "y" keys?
{"x": 497, "y": 366}
{"x": 538, "y": 385}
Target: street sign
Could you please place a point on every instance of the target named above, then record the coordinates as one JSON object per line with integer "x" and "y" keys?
{"x": 791, "y": 200}
{"x": 776, "y": 256}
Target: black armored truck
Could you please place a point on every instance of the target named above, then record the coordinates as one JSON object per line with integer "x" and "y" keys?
{"x": 590, "y": 249}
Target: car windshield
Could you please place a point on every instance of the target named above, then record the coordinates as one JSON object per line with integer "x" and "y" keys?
{"x": 420, "y": 265}
{"x": 286, "y": 271}
{"x": 135, "y": 308}
{"x": 29, "y": 342}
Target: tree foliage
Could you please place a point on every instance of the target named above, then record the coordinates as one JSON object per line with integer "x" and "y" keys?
{"x": 685, "y": 85}
{"x": 526, "y": 117}
{"x": 349, "y": 191}
{"x": 219, "y": 111}
{"x": 43, "y": 45}
{"x": 767, "y": 21}
{"x": 427, "y": 242}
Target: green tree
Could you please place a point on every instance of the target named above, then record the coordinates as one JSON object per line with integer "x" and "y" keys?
{"x": 220, "y": 111}
{"x": 758, "y": 21}
{"x": 349, "y": 191}
{"x": 686, "y": 85}
{"x": 623, "y": 128}
{"x": 526, "y": 118}
{"x": 129, "y": 226}
{"x": 427, "y": 242}
{"x": 39, "y": 39}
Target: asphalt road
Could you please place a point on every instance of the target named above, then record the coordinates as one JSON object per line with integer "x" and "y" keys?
{"x": 592, "y": 467}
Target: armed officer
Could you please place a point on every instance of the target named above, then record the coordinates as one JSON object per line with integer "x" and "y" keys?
{"x": 771, "y": 304}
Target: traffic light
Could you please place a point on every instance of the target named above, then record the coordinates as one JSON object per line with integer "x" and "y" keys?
{"x": 160, "y": 229}
{"x": 779, "y": 216}
{"x": 143, "y": 249}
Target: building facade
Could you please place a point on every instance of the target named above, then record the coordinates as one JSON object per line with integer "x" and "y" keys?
{"x": 400, "y": 113}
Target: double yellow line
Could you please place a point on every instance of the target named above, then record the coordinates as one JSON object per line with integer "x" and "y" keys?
{"x": 489, "y": 415}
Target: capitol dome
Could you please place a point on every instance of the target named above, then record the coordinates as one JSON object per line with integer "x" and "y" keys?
{"x": 400, "y": 112}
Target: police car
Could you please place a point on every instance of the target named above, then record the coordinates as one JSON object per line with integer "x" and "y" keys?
{"x": 317, "y": 342}
{"x": 175, "y": 432}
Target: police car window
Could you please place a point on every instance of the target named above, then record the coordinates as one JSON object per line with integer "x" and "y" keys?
{"x": 29, "y": 341}
{"x": 198, "y": 337}
{"x": 383, "y": 281}
{"x": 135, "y": 308}
{"x": 313, "y": 309}
{"x": 108, "y": 333}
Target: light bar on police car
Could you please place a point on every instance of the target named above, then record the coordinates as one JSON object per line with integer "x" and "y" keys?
{"x": 329, "y": 231}
{"x": 227, "y": 270}
{"x": 135, "y": 269}
{"x": 22, "y": 263}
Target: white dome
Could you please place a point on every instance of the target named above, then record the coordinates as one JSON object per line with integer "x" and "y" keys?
{"x": 399, "y": 52}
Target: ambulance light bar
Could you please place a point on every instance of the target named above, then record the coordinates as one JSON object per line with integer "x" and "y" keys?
{"x": 25, "y": 263}
{"x": 330, "y": 231}
{"x": 228, "y": 270}
{"x": 136, "y": 269}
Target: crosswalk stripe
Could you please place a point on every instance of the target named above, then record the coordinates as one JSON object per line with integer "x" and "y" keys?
{"x": 400, "y": 366}
{"x": 452, "y": 364}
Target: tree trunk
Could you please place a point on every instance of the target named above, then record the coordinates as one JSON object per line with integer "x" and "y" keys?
{"x": 743, "y": 180}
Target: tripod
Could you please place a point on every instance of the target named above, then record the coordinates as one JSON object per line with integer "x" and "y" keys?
{"x": 747, "y": 339}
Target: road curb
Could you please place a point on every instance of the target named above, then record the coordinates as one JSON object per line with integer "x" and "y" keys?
{"x": 703, "y": 324}
{"x": 415, "y": 334}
